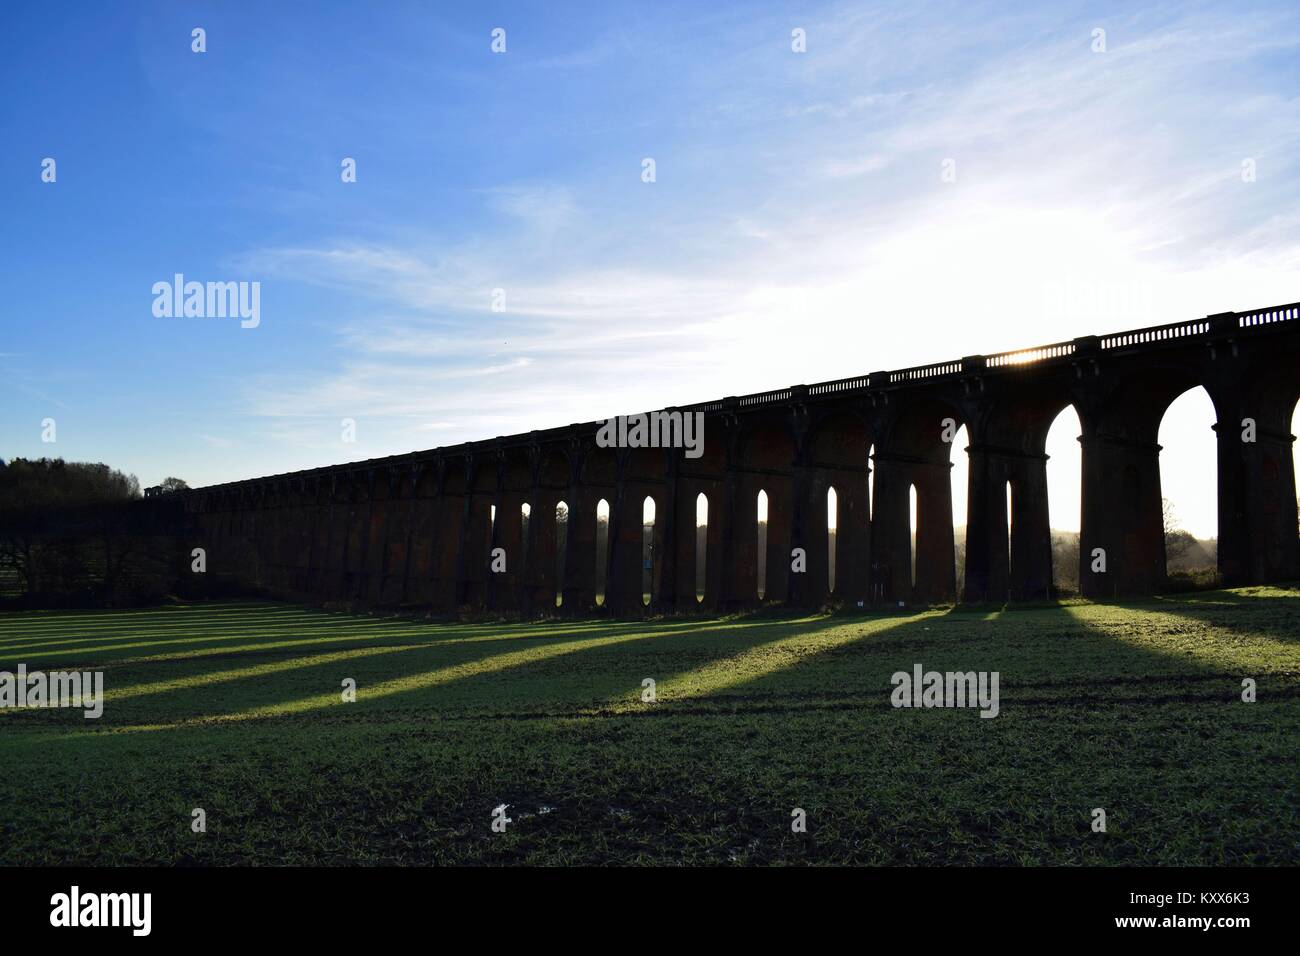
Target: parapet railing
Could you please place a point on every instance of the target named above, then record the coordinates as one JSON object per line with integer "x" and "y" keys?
{"x": 1159, "y": 333}
{"x": 840, "y": 385}
{"x": 1277, "y": 313}
{"x": 925, "y": 371}
{"x": 1026, "y": 356}
{"x": 763, "y": 398}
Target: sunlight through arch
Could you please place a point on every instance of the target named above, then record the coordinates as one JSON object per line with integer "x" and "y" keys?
{"x": 832, "y": 522}
{"x": 701, "y": 545}
{"x": 911, "y": 511}
{"x": 1064, "y": 497}
{"x": 959, "y": 477}
{"x": 561, "y": 539}
{"x": 602, "y": 549}
{"x": 647, "y": 549}
{"x": 1189, "y": 452}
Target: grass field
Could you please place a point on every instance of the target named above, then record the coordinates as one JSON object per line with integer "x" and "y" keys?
{"x": 236, "y": 708}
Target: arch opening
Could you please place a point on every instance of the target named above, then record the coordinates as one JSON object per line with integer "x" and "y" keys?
{"x": 832, "y": 522}
{"x": 1295, "y": 458}
{"x": 602, "y": 549}
{"x": 647, "y": 549}
{"x": 911, "y": 511}
{"x": 1011, "y": 527}
{"x": 525, "y": 510}
{"x": 561, "y": 540}
{"x": 1189, "y": 489}
{"x": 871, "y": 482}
{"x": 761, "y": 557}
{"x": 701, "y": 545}
{"x": 959, "y": 480}
{"x": 1064, "y": 498}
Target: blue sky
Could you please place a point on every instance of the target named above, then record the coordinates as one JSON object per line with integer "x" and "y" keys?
{"x": 799, "y": 228}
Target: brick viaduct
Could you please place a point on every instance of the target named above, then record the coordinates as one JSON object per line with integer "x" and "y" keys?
{"x": 418, "y": 529}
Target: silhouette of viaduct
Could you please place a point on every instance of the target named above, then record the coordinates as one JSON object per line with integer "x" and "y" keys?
{"x": 419, "y": 529}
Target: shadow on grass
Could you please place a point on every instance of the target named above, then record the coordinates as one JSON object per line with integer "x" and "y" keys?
{"x": 264, "y": 629}
{"x": 568, "y": 666}
{"x": 1034, "y": 649}
{"x": 405, "y": 675}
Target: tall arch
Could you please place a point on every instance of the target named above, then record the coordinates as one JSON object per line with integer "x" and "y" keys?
{"x": 913, "y": 510}
{"x": 561, "y": 548}
{"x": 834, "y": 529}
{"x": 648, "y": 556}
{"x": 641, "y": 474}
{"x": 701, "y": 547}
{"x": 1295, "y": 460}
{"x": 592, "y": 549}
{"x": 915, "y": 450}
{"x": 703, "y": 508}
{"x": 764, "y": 460}
{"x": 525, "y": 512}
{"x": 1008, "y": 526}
{"x": 1122, "y": 546}
{"x": 871, "y": 481}
{"x": 832, "y": 524}
{"x": 1064, "y": 469}
{"x": 960, "y": 484}
{"x": 602, "y": 549}
{"x": 544, "y": 580}
{"x": 1189, "y": 488}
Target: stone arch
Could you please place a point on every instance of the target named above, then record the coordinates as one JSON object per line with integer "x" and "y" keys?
{"x": 912, "y": 451}
{"x": 602, "y": 549}
{"x": 642, "y": 473}
{"x": 1121, "y": 489}
{"x": 701, "y": 547}
{"x": 591, "y": 551}
{"x": 1188, "y": 481}
{"x": 551, "y": 486}
{"x": 706, "y": 475}
{"x": 765, "y": 459}
{"x": 837, "y": 454}
{"x": 1008, "y": 535}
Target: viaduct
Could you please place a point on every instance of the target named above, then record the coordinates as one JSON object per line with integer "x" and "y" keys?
{"x": 420, "y": 529}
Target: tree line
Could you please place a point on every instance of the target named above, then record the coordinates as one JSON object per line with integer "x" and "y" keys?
{"x": 75, "y": 534}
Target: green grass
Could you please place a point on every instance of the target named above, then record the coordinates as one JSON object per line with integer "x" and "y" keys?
{"x": 236, "y": 708}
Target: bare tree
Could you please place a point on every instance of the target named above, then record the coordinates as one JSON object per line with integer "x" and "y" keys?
{"x": 1177, "y": 541}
